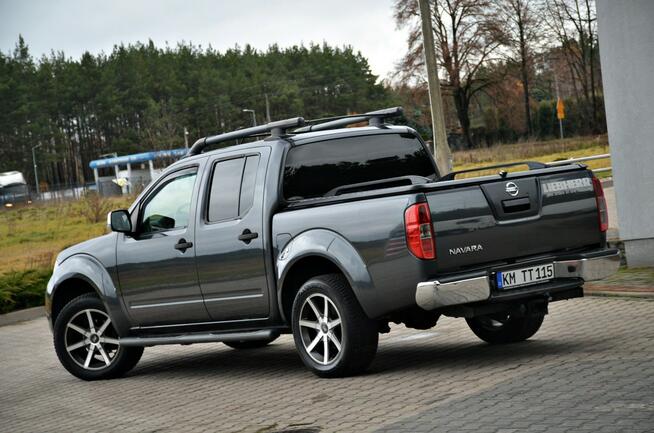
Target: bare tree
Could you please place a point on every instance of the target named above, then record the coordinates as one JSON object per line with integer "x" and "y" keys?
{"x": 522, "y": 33}
{"x": 574, "y": 22}
{"x": 466, "y": 36}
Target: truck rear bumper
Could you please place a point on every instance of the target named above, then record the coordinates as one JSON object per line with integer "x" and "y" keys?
{"x": 435, "y": 294}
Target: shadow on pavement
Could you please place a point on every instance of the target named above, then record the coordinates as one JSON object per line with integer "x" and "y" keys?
{"x": 281, "y": 358}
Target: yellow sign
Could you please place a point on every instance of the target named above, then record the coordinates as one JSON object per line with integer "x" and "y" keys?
{"x": 560, "y": 109}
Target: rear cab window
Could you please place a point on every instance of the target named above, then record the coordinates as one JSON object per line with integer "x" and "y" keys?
{"x": 339, "y": 166}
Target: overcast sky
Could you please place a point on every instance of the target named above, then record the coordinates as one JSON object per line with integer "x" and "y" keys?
{"x": 75, "y": 26}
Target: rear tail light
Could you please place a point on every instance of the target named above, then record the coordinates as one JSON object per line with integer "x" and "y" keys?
{"x": 602, "y": 213}
{"x": 419, "y": 233}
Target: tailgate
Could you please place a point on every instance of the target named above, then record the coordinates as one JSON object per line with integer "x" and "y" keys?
{"x": 511, "y": 218}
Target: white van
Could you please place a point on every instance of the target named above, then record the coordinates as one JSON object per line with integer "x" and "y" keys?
{"x": 13, "y": 187}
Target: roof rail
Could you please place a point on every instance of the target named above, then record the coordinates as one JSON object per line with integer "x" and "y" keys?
{"x": 276, "y": 129}
{"x": 374, "y": 118}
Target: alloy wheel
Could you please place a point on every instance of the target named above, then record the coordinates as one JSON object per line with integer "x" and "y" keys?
{"x": 321, "y": 329}
{"x": 90, "y": 339}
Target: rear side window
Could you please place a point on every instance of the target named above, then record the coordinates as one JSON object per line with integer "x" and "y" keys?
{"x": 247, "y": 185}
{"x": 317, "y": 169}
{"x": 232, "y": 188}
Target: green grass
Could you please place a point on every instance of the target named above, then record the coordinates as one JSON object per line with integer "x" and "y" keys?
{"x": 543, "y": 151}
{"x": 630, "y": 278}
{"x": 31, "y": 236}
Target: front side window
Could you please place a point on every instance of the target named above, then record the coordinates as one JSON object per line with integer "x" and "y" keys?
{"x": 170, "y": 207}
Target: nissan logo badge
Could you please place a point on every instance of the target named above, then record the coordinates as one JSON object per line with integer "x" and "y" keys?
{"x": 511, "y": 189}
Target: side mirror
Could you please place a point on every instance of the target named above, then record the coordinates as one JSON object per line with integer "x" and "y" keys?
{"x": 119, "y": 221}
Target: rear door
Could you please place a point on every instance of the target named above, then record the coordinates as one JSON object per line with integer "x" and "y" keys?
{"x": 229, "y": 238}
{"x": 512, "y": 218}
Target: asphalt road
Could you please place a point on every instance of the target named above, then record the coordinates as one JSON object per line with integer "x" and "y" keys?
{"x": 590, "y": 368}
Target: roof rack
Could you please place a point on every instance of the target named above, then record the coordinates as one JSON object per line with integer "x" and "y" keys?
{"x": 374, "y": 118}
{"x": 276, "y": 129}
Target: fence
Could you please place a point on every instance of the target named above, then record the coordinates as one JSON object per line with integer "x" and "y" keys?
{"x": 585, "y": 158}
{"x": 62, "y": 192}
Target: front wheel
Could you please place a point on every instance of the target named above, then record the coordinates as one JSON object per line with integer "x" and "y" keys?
{"x": 87, "y": 344}
{"x": 502, "y": 328}
{"x": 333, "y": 335}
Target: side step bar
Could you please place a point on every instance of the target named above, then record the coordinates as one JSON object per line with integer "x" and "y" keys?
{"x": 197, "y": 338}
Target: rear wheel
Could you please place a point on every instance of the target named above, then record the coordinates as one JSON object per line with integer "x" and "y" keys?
{"x": 333, "y": 335}
{"x": 251, "y": 344}
{"x": 501, "y": 328}
{"x": 87, "y": 344}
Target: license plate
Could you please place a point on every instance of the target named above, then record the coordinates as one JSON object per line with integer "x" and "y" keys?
{"x": 525, "y": 276}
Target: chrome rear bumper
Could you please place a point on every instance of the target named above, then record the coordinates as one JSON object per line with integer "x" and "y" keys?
{"x": 434, "y": 294}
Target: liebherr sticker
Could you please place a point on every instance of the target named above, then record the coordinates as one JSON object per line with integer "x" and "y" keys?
{"x": 570, "y": 186}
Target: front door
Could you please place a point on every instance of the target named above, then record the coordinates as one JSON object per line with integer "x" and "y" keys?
{"x": 229, "y": 241}
{"x": 156, "y": 266}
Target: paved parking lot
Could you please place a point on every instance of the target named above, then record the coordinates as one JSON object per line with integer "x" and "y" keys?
{"x": 590, "y": 368}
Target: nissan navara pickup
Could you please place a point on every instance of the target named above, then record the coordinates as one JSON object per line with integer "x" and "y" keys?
{"x": 329, "y": 233}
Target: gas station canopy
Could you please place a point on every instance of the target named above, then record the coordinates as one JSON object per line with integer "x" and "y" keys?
{"x": 137, "y": 158}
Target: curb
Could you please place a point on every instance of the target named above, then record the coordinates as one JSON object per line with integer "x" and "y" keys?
{"x": 617, "y": 294}
{"x": 21, "y": 315}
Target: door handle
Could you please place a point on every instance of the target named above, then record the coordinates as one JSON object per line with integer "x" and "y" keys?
{"x": 182, "y": 245}
{"x": 247, "y": 236}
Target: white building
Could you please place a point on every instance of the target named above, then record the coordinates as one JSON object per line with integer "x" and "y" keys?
{"x": 626, "y": 40}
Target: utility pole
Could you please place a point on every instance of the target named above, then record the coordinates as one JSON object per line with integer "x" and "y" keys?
{"x": 441, "y": 148}
{"x": 36, "y": 173}
{"x": 186, "y": 138}
{"x": 265, "y": 95}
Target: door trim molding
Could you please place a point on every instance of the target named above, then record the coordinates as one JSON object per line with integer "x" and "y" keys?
{"x": 165, "y": 304}
{"x": 234, "y": 298}
{"x": 199, "y": 323}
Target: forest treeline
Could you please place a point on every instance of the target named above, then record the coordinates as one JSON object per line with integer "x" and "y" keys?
{"x": 140, "y": 97}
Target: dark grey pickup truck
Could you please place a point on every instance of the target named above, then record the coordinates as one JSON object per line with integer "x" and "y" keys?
{"x": 328, "y": 233}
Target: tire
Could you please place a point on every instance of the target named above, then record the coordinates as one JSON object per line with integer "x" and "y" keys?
{"x": 503, "y": 328}
{"x": 349, "y": 345}
{"x": 251, "y": 344}
{"x": 73, "y": 339}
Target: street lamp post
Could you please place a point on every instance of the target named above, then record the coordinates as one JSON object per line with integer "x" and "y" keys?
{"x": 254, "y": 117}
{"x": 36, "y": 174}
